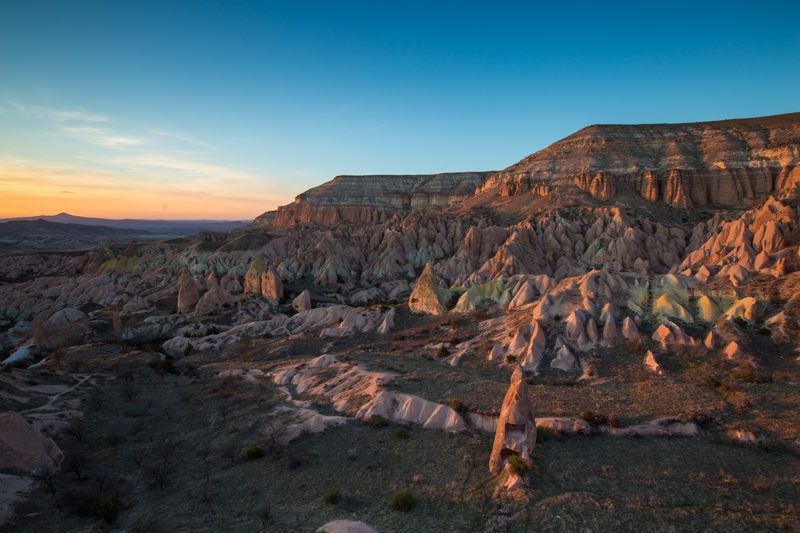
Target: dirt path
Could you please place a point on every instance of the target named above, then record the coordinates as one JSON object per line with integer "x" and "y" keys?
{"x": 55, "y": 397}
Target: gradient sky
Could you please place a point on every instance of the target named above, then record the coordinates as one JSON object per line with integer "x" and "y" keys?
{"x": 227, "y": 109}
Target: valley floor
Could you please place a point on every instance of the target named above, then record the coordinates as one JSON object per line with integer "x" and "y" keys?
{"x": 163, "y": 448}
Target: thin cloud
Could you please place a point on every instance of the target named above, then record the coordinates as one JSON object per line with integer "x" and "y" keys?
{"x": 102, "y": 136}
{"x": 58, "y": 115}
{"x": 182, "y": 137}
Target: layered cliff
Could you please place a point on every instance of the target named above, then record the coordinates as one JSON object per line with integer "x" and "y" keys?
{"x": 723, "y": 163}
{"x": 374, "y": 199}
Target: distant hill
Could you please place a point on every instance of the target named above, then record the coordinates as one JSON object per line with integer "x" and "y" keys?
{"x": 68, "y": 232}
{"x": 168, "y": 227}
{"x": 45, "y": 228}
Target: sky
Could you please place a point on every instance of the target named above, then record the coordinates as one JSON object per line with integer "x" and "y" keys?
{"x": 224, "y": 110}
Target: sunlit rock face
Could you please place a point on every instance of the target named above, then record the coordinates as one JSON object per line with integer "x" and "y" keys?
{"x": 371, "y": 199}
{"x": 516, "y": 425}
{"x": 685, "y": 166}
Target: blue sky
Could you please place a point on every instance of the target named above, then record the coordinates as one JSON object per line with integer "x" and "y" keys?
{"x": 227, "y": 109}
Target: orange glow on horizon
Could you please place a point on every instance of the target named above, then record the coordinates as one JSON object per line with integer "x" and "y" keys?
{"x": 27, "y": 190}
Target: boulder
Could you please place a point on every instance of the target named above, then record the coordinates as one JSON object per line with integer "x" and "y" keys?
{"x": 23, "y": 448}
{"x": 177, "y": 346}
{"x": 346, "y": 526}
{"x": 65, "y": 327}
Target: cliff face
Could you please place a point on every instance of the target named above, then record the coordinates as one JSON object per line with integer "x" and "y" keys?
{"x": 373, "y": 199}
{"x": 729, "y": 163}
{"x": 683, "y": 165}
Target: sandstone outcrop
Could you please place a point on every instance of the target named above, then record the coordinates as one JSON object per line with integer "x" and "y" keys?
{"x": 263, "y": 280}
{"x": 682, "y": 165}
{"x": 516, "y": 426}
{"x": 188, "y": 294}
{"x": 374, "y": 199}
{"x": 302, "y": 302}
{"x": 428, "y": 296}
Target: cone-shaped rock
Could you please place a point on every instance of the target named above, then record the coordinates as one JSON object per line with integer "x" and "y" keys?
{"x": 516, "y": 426}
{"x": 428, "y": 296}
{"x": 302, "y": 302}
{"x": 187, "y": 292}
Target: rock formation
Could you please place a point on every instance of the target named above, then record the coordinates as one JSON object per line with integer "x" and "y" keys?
{"x": 681, "y": 165}
{"x": 271, "y": 286}
{"x": 302, "y": 302}
{"x": 23, "y": 448}
{"x": 516, "y": 426}
{"x": 346, "y": 526}
{"x": 374, "y": 199}
{"x": 263, "y": 280}
{"x": 428, "y": 296}
{"x": 187, "y": 292}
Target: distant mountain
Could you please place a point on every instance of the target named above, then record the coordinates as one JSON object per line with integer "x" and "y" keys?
{"x": 45, "y": 228}
{"x": 169, "y": 227}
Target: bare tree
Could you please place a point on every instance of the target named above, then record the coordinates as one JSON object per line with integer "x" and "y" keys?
{"x": 160, "y": 475}
{"x": 116, "y": 322}
{"x": 230, "y": 451}
{"x": 205, "y": 455}
{"x": 76, "y": 463}
{"x": 46, "y": 477}
{"x": 75, "y": 430}
{"x": 130, "y": 391}
{"x": 138, "y": 456}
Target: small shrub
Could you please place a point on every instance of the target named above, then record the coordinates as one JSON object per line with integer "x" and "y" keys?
{"x": 332, "y": 495}
{"x": 266, "y": 514}
{"x": 518, "y": 464}
{"x": 253, "y": 452}
{"x": 377, "y": 422}
{"x": 480, "y": 314}
{"x": 543, "y": 434}
{"x": 294, "y": 458}
{"x": 403, "y": 500}
{"x": 101, "y": 506}
{"x": 700, "y": 418}
{"x": 162, "y": 366}
{"x": 401, "y": 433}
{"x": 442, "y": 352}
{"x": 511, "y": 359}
{"x": 750, "y": 375}
{"x": 115, "y": 439}
{"x": 160, "y": 475}
{"x": 456, "y": 405}
{"x": 741, "y": 322}
{"x": 597, "y": 419}
{"x": 711, "y": 381}
{"x": 77, "y": 463}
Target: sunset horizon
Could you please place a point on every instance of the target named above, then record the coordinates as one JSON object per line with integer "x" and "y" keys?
{"x": 124, "y": 110}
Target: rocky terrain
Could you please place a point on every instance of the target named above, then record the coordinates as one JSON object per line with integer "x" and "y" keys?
{"x": 66, "y": 232}
{"x": 603, "y": 335}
